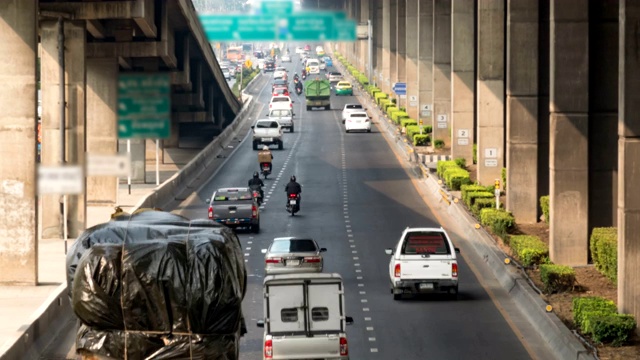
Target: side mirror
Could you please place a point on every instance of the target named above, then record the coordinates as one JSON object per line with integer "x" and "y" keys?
{"x": 388, "y": 251}
{"x": 323, "y": 249}
{"x": 349, "y": 320}
{"x": 260, "y": 323}
{"x": 264, "y": 251}
{"x": 457, "y": 250}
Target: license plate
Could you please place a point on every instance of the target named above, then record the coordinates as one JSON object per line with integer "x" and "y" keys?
{"x": 426, "y": 286}
{"x": 233, "y": 222}
{"x": 293, "y": 262}
{"x": 292, "y": 202}
{"x": 267, "y": 139}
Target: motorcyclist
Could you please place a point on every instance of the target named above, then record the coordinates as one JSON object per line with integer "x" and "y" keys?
{"x": 256, "y": 184}
{"x": 299, "y": 87}
{"x": 296, "y": 77}
{"x": 304, "y": 73}
{"x": 293, "y": 187}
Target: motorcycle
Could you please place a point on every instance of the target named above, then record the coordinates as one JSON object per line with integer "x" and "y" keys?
{"x": 293, "y": 203}
{"x": 265, "y": 168}
{"x": 256, "y": 191}
{"x": 298, "y": 90}
{"x": 304, "y": 76}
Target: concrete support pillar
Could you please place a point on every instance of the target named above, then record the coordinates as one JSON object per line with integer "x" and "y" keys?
{"x": 603, "y": 113}
{"x": 411, "y": 45}
{"x": 463, "y": 78}
{"x": 569, "y": 132}
{"x": 628, "y": 164}
{"x": 393, "y": 44}
{"x": 363, "y": 45}
{"x": 220, "y": 118}
{"x": 18, "y": 183}
{"x": 102, "y": 135}
{"x": 381, "y": 31}
{"x": 173, "y": 140}
{"x": 490, "y": 90}
{"x": 75, "y": 79}
{"x": 442, "y": 71}
{"x": 425, "y": 61}
{"x": 401, "y": 44}
{"x": 522, "y": 110}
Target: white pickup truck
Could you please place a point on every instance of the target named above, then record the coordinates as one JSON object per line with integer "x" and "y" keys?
{"x": 423, "y": 261}
{"x": 267, "y": 132}
{"x": 304, "y": 317}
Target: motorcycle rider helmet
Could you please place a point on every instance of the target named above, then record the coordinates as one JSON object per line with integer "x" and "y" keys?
{"x": 293, "y": 178}
{"x": 265, "y": 148}
{"x": 256, "y": 175}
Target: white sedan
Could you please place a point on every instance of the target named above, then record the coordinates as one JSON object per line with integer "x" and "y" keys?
{"x": 357, "y": 121}
{"x": 285, "y": 58}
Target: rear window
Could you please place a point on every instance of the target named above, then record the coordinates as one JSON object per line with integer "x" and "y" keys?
{"x": 267, "y": 125}
{"x": 353, "y": 107}
{"x": 279, "y": 99}
{"x": 359, "y": 115}
{"x": 222, "y": 196}
{"x": 298, "y": 245}
{"x": 417, "y": 243}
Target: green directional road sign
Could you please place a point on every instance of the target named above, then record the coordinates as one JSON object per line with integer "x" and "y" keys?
{"x": 144, "y": 106}
{"x": 276, "y": 7}
{"x": 221, "y": 27}
{"x": 344, "y": 30}
{"x": 311, "y": 26}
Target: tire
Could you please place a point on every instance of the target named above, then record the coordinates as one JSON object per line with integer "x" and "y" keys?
{"x": 397, "y": 297}
{"x": 328, "y": 107}
{"x": 280, "y": 145}
{"x": 308, "y": 108}
{"x": 291, "y": 128}
{"x": 369, "y": 130}
{"x": 255, "y": 145}
{"x": 255, "y": 228}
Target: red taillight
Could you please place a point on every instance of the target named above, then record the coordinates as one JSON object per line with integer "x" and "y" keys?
{"x": 273, "y": 260}
{"x": 344, "y": 347}
{"x": 254, "y": 211}
{"x": 292, "y": 196}
{"x": 210, "y": 212}
{"x": 396, "y": 270}
{"x": 268, "y": 349}
{"x": 454, "y": 270}
{"x": 312, "y": 259}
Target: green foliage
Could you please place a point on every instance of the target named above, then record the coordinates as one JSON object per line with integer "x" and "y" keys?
{"x": 402, "y": 108}
{"x": 421, "y": 140}
{"x": 373, "y": 90}
{"x": 472, "y": 196}
{"x": 390, "y": 108}
{"x": 399, "y": 115}
{"x": 413, "y": 130}
{"x": 557, "y": 278}
{"x": 482, "y": 203}
{"x": 406, "y": 122}
{"x": 462, "y": 162}
{"x": 604, "y": 251}
{"x": 530, "y": 249}
{"x": 455, "y": 177}
{"x": 384, "y": 102}
{"x": 362, "y": 79}
{"x": 584, "y": 305}
{"x": 544, "y": 205}
{"x": 443, "y": 165}
{"x": 503, "y": 175}
{"x": 475, "y": 153}
{"x": 438, "y": 144}
{"x": 500, "y": 221}
{"x": 473, "y": 188}
{"x": 616, "y": 329}
{"x": 380, "y": 95}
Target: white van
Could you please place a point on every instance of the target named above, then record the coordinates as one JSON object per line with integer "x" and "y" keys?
{"x": 304, "y": 317}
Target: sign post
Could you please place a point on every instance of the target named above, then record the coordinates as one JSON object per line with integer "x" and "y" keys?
{"x": 497, "y": 193}
{"x": 400, "y": 89}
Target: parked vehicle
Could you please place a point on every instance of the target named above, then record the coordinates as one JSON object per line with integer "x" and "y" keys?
{"x": 357, "y": 120}
{"x": 304, "y": 317}
{"x": 286, "y": 255}
{"x": 284, "y": 117}
{"x": 348, "y": 108}
{"x": 423, "y": 261}
{"x": 267, "y": 132}
{"x": 235, "y": 207}
{"x": 318, "y": 94}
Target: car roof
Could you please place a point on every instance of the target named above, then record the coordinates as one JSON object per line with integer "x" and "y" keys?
{"x": 292, "y": 238}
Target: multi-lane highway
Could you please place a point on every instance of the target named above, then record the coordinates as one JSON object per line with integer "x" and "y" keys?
{"x": 357, "y": 198}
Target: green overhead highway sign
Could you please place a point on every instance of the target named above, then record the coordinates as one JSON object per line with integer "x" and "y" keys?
{"x": 144, "y": 106}
{"x": 276, "y": 7}
{"x": 298, "y": 26}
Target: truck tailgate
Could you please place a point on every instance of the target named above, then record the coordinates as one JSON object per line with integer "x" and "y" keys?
{"x": 228, "y": 210}
{"x": 302, "y": 347}
{"x": 416, "y": 267}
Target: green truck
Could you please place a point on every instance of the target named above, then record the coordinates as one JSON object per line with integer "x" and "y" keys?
{"x": 318, "y": 93}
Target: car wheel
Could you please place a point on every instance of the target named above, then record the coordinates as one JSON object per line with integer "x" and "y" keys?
{"x": 347, "y": 131}
{"x": 255, "y": 228}
{"x": 368, "y": 130}
{"x": 280, "y": 145}
{"x": 397, "y": 296}
{"x": 255, "y": 145}
{"x": 291, "y": 128}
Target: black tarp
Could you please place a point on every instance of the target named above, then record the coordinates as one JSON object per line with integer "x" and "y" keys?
{"x": 168, "y": 285}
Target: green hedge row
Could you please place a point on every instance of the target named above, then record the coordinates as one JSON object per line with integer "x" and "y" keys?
{"x": 500, "y": 221}
{"x": 544, "y": 205}
{"x": 406, "y": 122}
{"x": 379, "y": 96}
{"x": 465, "y": 190}
{"x": 362, "y": 79}
{"x": 399, "y": 115}
{"x": 529, "y": 249}
{"x": 604, "y": 251}
{"x": 421, "y": 140}
{"x": 452, "y": 174}
{"x": 599, "y": 318}
{"x": 557, "y": 278}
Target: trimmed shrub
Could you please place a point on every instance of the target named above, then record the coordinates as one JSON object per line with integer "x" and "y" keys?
{"x": 412, "y": 130}
{"x": 475, "y": 153}
{"x": 462, "y": 162}
{"x": 362, "y": 79}
{"x": 604, "y": 251}
{"x": 472, "y": 196}
{"x": 373, "y": 90}
{"x": 421, "y": 140}
{"x": 590, "y": 304}
{"x": 406, "y": 122}
{"x": 500, "y": 221}
{"x": 466, "y": 189}
{"x": 557, "y": 278}
{"x": 400, "y": 115}
{"x": 544, "y": 205}
{"x": 384, "y": 102}
{"x": 389, "y": 108}
{"x": 378, "y": 96}
{"x": 503, "y": 175}
{"x": 530, "y": 249}
{"x": 443, "y": 165}
{"x": 455, "y": 177}
{"x": 402, "y": 108}
{"x": 616, "y": 329}
{"x": 482, "y": 203}
{"x": 438, "y": 143}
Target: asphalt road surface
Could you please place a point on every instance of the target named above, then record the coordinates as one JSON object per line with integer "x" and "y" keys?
{"x": 356, "y": 200}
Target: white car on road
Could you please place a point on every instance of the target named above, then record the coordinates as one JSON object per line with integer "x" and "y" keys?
{"x": 285, "y": 58}
{"x": 357, "y": 120}
{"x": 314, "y": 66}
{"x": 281, "y": 102}
{"x": 280, "y": 73}
{"x": 349, "y": 108}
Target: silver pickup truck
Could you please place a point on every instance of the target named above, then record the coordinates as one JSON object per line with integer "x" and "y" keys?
{"x": 283, "y": 116}
{"x": 267, "y": 132}
{"x": 235, "y": 207}
{"x": 304, "y": 317}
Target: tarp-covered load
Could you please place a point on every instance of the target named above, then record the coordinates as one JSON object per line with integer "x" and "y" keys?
{"x": 155, "y": 285}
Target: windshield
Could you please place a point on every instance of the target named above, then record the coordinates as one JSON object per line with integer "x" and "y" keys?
{"x": 312, "y": 63}
{"x": 267, "y": 124}
{"x": 294, "y": 245}
{"x": 354, "y": 107}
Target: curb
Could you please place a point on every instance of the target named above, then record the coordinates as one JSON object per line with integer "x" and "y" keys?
{"x": 558, "y": 337}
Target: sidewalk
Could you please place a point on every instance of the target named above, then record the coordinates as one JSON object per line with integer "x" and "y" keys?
{"x": 27, "y": 312}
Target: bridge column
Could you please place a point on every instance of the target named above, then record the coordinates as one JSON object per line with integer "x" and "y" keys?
{"x": 425, "y": 60}
{"x": 522, "y": 110}
{"x": 102, "y": 135}
{"x": 628, "y": 164}
{"x": 363, "y": 45}
{"x": 18, "y": 94}
{"x": 442, "y": 71}
{"x": 75, "y": 71}
{"x": 393, "y": 44}
{"x": 569, "y": 132}
{"x": 401, "y": 45}
{"x": 378, "y": 42}
{"x": 462, "y": 78}
{"x": 490, "y": 90}
{"x": 411, "y": 62}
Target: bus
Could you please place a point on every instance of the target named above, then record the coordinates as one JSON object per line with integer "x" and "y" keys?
{"x": 234, "y": 54}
